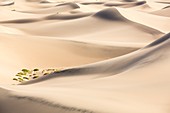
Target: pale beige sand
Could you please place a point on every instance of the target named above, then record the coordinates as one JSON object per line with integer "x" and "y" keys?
{"x": 163, "y": 12}
{"x": 114, "y": 54}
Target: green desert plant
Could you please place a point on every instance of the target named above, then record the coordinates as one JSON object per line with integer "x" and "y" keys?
{"x": 27, "y": 74}
{"x": 25, "y": 70}
{"x": 46, "y": 73}
{"x": 35, "y": 77}
{"x": 35, "y": 69}
{"x": 15, "y": 79}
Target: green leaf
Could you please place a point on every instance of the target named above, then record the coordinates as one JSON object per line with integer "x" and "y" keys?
{"x": 15, "y": 79}
{"x": 25, "y": 70}
{"x": 36, "y": 70}
{"x": 46, "y": 73}
{"x": 35, "y": 77}
{"x": 26, "y": 78}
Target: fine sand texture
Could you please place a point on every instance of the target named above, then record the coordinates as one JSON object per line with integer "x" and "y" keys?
{"x": 113, "y": 56}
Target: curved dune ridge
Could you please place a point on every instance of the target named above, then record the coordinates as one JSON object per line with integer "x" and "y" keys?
{"x": 143, "y": 59}
{"x": 49, "y": 17}
{"x": 163, "y": 12}
{"x": 112, "y": 56}
{"x": 6, "y": 2}
{"x": 126, "y": 4}
{"x": 88, "y": 3}
{"x": 110, "y": 18}
{"x": 110, "y": 14}
{"x": 56, "y": 9}
{"x": 116, "y": 65}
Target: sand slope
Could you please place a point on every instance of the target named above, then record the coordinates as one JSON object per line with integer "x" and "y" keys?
{"x": 114, "y": 56}
{"x": 115, "y": 83}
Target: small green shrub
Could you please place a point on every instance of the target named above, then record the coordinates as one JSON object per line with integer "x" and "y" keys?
{"x": 27, "y": 74}
{"x": 36, "y": 70}
{"x": 25, "y": 70}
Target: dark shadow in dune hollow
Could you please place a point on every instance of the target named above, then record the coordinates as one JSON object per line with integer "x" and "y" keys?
{"x": 159, "y": 41}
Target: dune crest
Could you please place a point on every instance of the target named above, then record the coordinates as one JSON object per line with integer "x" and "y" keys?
{"x": 110, "y": 14}
{"x": 92, "y": 56}
{"x": 116, "y": 65}
{"x": 6, "y": 2}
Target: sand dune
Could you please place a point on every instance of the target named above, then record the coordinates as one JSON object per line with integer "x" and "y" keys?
{"x": 85, "y": 83}
{"x": 163, "y": 12}
{"x": 113, "y": 55}
{"x": 107, "y": 20}
{"x": 56, "y": 9}
{"x": 28, "y": 50}
{"x": 145, "y": 56}
{"x": 6, "y": 2}
{"x": 147, "y": 19}
{"x": 126, "y": 5}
